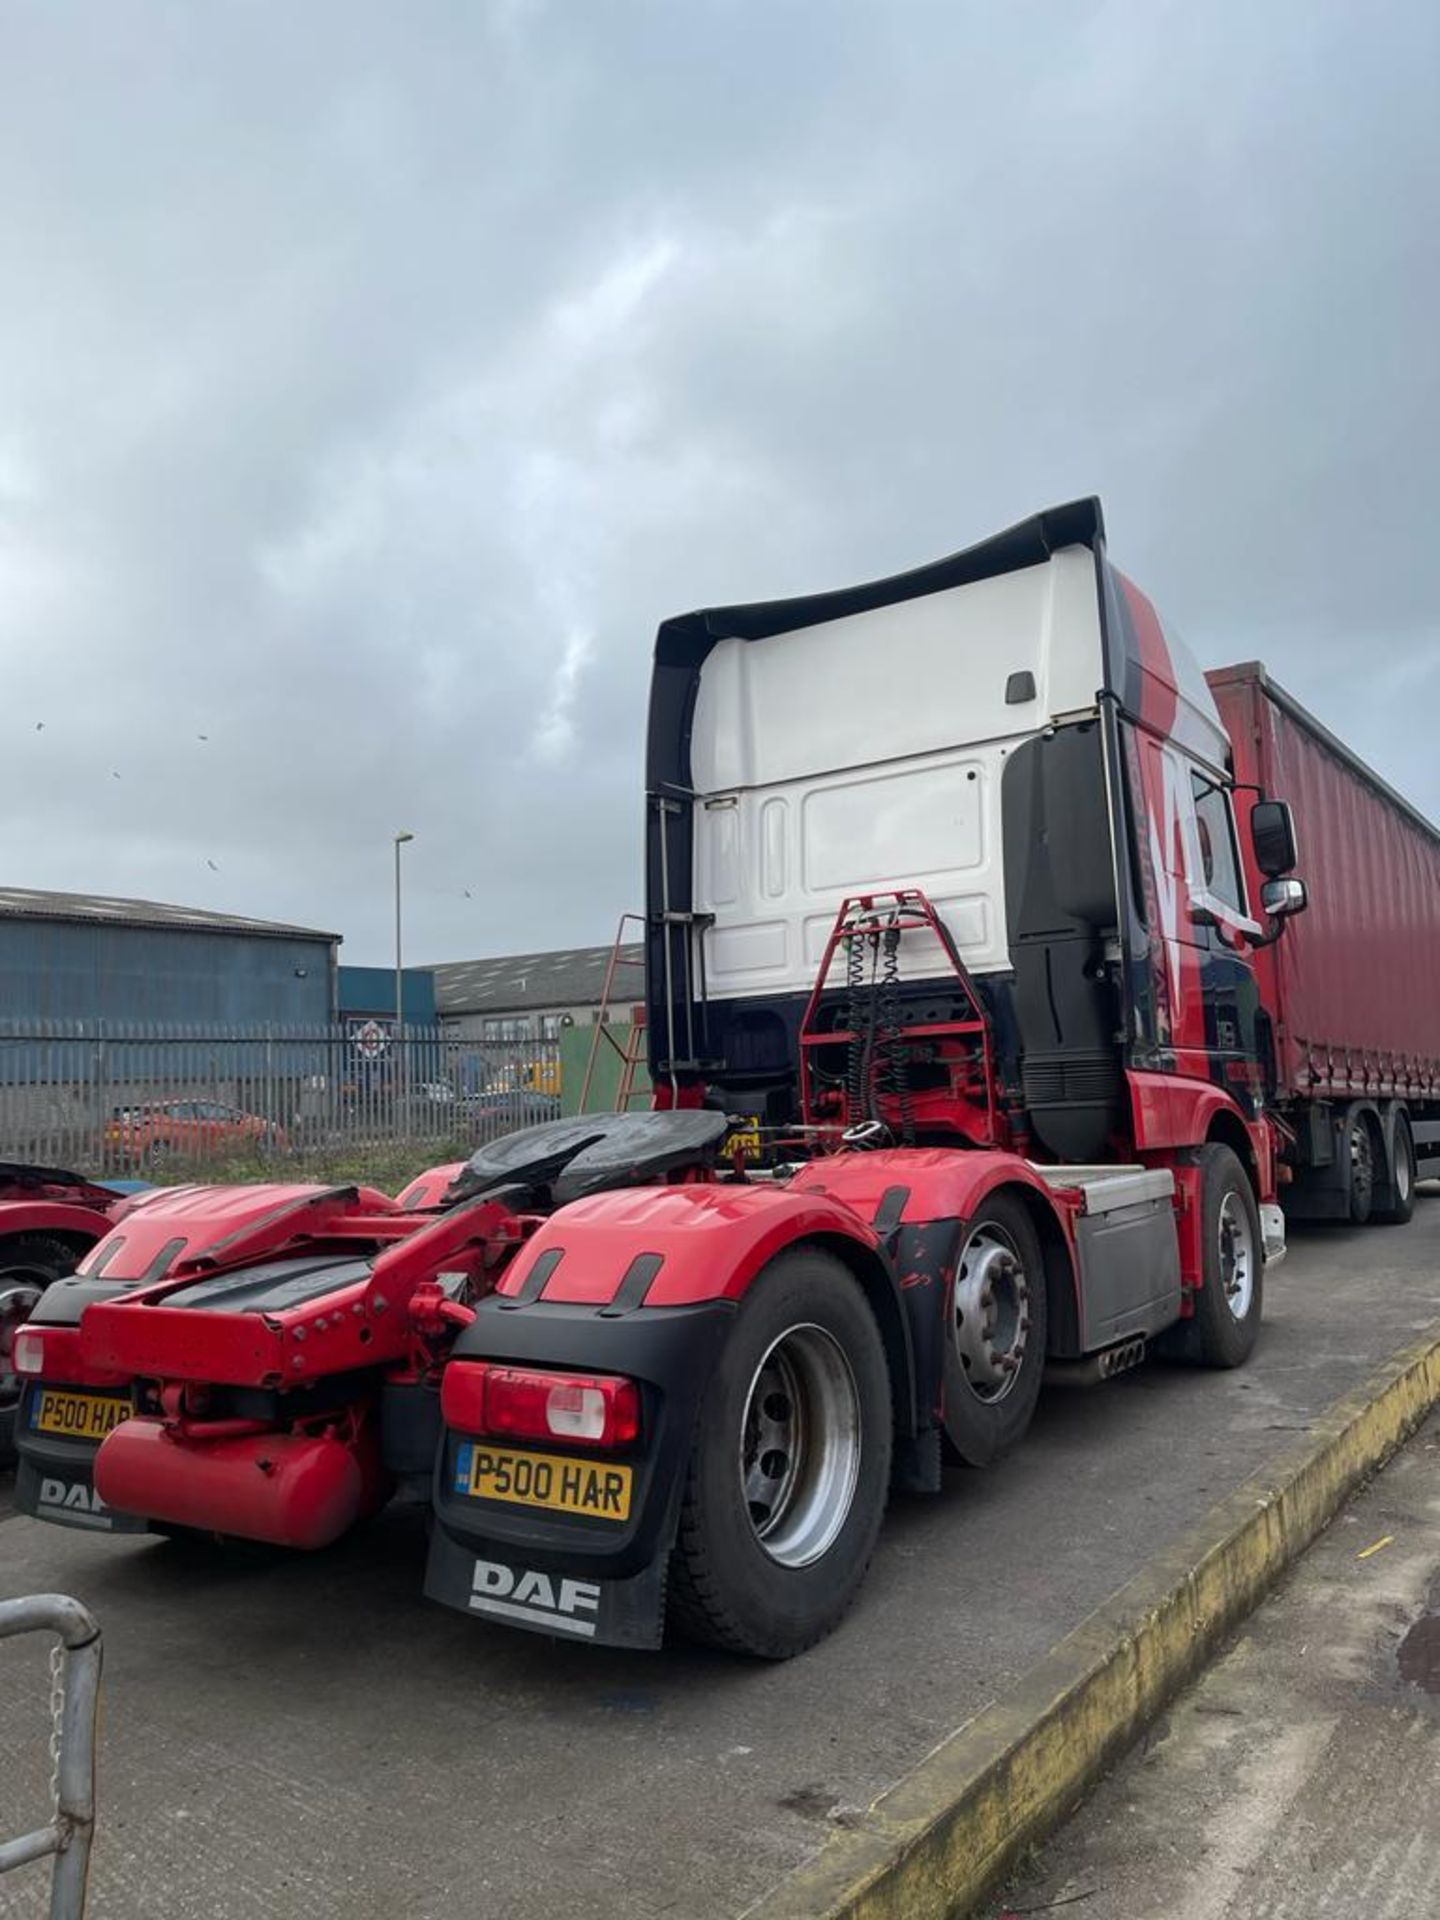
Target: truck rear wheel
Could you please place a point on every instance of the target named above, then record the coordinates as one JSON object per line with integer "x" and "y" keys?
{"x": 1360, "y": 1146}
{"x": 28, "y": 1263}
{"x": 787, "y": 1483}
{"x": 1402, "y": 1178}
{"x": 995, "y": 1350}
{"x": 1228, "y": 1304}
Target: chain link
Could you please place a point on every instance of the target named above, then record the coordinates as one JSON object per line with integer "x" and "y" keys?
{"x": 57, "y": 1721}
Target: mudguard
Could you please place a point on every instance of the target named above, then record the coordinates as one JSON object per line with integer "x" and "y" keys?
{"x": 918, "y": 1200}
{"x": 177, "y": 1226}
{"x": 908, "y": 1186}
{"x": 58, "y": 1217}
{"x": 700, "y": 1242}
{"x": 642, "y": 1282}
{"x": 564, "y": 1572}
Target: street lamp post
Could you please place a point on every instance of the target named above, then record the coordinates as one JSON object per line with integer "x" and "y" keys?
{"x": 399, "y": 1076}
{"x": 400, "y": 840}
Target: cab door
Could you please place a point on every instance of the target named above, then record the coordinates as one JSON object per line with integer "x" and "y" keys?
{"x": 1221, "y": 929}
{"x": 1193, "y": 887}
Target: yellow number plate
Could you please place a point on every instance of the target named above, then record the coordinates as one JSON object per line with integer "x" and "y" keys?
{"x": 548, "y": 1480}
{"x": 80, "y": 1416}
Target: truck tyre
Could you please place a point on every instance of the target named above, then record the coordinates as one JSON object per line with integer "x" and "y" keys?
{"x": 1402, "y": 1179}
{"x": 995, "y": 1344}
{"x": 1360, "y": 1149}
{"x": 788, "y": 1478}
{"x": 28, "y": 1263}
{"x": 1228, "y": 1304}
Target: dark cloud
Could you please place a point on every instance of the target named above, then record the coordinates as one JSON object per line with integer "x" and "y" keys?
{"x": 373, "y": 379}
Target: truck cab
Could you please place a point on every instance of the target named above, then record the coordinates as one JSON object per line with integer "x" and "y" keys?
{"x": 1013, "y": 731}
{"x": 949, "y": 960}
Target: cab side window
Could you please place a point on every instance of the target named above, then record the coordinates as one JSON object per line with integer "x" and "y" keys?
{"x": 1220, "y": 868}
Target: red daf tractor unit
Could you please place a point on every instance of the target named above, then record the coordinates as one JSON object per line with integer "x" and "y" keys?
{"x": 238, "y": 1269}
{"x": 49, "y": 1218}
{"x": 983, "y": 1042}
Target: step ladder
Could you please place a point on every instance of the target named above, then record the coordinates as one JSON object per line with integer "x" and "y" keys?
{"x": 632, "y": 1051}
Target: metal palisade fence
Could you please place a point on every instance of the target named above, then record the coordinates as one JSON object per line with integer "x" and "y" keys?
{"x": 109, "y": 1099}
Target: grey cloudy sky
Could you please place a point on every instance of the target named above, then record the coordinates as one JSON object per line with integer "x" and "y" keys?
{"x": 373, "y": 378}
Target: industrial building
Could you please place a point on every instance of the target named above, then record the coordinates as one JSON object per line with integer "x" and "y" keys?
{"x": 368, "y": 993}
{"x": 535, "y": 996}
{"x": 69, "y": 957}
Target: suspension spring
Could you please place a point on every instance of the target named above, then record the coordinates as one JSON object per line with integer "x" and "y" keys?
{"x": 856, "y": 1011}
{"x": 892, "y": 1077}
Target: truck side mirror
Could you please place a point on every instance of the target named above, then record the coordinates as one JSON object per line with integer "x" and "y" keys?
{"x": 1283, "y": 897}
{"x": 1272, "y": 834}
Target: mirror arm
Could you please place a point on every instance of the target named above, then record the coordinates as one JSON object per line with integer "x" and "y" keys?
{"x": 1277, "y": 927}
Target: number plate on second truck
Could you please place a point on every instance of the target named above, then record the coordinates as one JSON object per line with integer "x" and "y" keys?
{"x": 79, "y": 1416}
{"x": 544, "y": 1480}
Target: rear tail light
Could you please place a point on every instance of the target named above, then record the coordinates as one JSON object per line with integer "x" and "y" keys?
{"x": 523, "y": 1403}
{"x": 28, "y": 1353}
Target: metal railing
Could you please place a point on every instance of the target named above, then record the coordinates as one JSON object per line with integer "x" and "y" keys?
{"x": 74, "y": 1700}
{"x": 117, "y": 1100}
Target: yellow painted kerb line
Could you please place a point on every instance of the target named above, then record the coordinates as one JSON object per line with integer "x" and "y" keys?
{"x": 936, "y": 1843}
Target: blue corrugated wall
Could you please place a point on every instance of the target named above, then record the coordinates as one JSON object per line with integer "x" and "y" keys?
{"x": 51, "y": 969}
{"x": 372, "y": 990}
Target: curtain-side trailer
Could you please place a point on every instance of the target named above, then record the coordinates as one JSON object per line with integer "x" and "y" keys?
{"x": 1351, "y": 995}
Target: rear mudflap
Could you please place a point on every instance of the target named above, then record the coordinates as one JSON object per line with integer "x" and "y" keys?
{"x": 578, "y": 1576}
{"x": 57, "y": 1482}
{"x": 609, "y": 1613}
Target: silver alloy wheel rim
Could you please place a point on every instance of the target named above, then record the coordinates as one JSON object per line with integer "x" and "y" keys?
{"x": 991, "y": 1321}
{"x": 1402, "y": 1164}
{"x": 1362, "y": 1161}
{"x": 1237, "y": 1255}
{"x": 800, "y": 1444}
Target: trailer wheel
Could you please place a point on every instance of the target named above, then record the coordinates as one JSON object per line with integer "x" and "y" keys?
{"x": 1360, "y": 1146}
{"x": 1229, "y": 1302}
{"x": 790, "y": 1470}
{"x": 995, "y": 1350}
{"x": 28, "y": 1263}
{"x": 1402, "y": 1178}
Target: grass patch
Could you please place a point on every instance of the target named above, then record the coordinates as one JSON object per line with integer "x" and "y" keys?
{"x": 389, "y": 1167}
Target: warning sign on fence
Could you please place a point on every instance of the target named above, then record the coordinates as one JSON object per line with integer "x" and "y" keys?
{"x": 369, "y": 1039}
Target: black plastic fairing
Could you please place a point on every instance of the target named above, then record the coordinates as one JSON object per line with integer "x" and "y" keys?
{"x": 273, "y": 1286}
{"x": 63, "y": 1301}
{"x": 1061, "y": 911}
{"x": 590, "y": 1152}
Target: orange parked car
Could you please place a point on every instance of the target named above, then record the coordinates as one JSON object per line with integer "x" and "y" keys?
{"x": 188, "y": 1129}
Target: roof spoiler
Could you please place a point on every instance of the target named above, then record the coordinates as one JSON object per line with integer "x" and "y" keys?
{"x": 685, "y": 639}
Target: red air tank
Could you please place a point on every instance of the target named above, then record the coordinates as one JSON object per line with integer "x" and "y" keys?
{"x": 289, "y": 1489}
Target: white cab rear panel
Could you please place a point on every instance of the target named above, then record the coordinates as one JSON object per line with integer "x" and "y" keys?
{"x": 867, "y": 752}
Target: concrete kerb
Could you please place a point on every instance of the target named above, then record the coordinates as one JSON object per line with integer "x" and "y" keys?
{"x": 938, "y": 1841}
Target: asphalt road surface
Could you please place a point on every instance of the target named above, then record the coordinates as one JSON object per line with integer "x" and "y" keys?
{"x": 308, "y": 1737}
{"x": 1301, "y": 1776}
